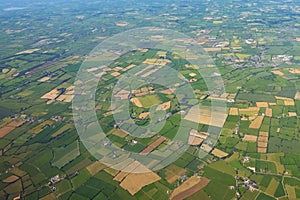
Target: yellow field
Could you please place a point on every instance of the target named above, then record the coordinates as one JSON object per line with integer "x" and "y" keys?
{"x": 256, "y": 123}
{"x": 137, "y": 102}
{"x": 250, "y": 138}
{"x": 234, "y": 111}
{"x": 287, "y": 101}
{"x": 251, "y": 111}
{"x": 277, "y": 72}
{"x": 262, "y": 104}
{"x": 269, "y": 112}
{"x": 131, "y": 184}
{"x": 218, "y": 153}
{"x": 144, "y": 115}
{"x": 212, "y": 49}
{"x": 39, "y": 128}
{"x": 204, "y": 115}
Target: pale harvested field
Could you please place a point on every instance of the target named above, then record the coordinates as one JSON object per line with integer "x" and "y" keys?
{"x": 122, "y": 94}
{"x": 297, "y": 96}
{"x": 115, "y": 74}
{"x": 262, "y": 144}
{"x": 298, "y": 39}
{"x": 263, "y": 139}
{"x": 212, "y": 49}
{"x": 44, "y": 79}
{"x": 131, "y": 184}
{"x": 203, "y": 115}
{"x": 51, "y": 95}
{"x": 269, "y": 112}
{"x": 218, "y": 153}
{"x": 261, "y": 150}
{"x": 16, "y": 123}
{"x": 137, "y": 102}
{"x": 193, "y": 140}
{"x": 192, "y": 74}
{"x": 164, "y": 106}
{"x": 150, "y": 72}
{"x": 287, "y": 101}
{"x": 250, "y": 138}
{"x": 251, "y": 111}
{"x": 29, "y": 51}
{"x": 206, "y": 147}
{"x": 294, "y": 70}
{"x": 263, "y": 134}
{"x": 144, "y": 115}
{"x": 129, "y": 67}
{"x": 277, "y": 72}
{"x": 189, "y": 187}
{"x": 234, "y": 111}
{"x": 262, "y": 104}
{"x": 292, "y": 114}
{"x": 122, "y": 24}
{"x": 168, "y": 91}
{"x": 153, "y": 145}
{"x": 10, "y": 179}
{"x": 256, "y": 123}
{"x": 95, "y": 167}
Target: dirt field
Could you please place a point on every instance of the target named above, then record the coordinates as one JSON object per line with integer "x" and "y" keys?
{"x": 269, "y": 112}
{"x": 189, "y": 187}
{"x": 250, "y": 138}
{"x": 10, "y": 127}
{"x": 261, "y": 150}
{"x": 218, "y": 153}
{"x": 10, "y": 179}
{"x": 256, "y": 123}
{"x": 234, "y": 111}
{"x": 122, "y": 24}
{"x": 193, "y": 140}
{"x": 153, "y": 145}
